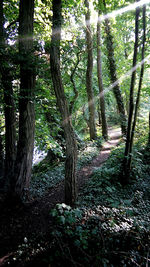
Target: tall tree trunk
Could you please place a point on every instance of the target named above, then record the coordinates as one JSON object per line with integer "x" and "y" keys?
{"x": 89, "y": 88}
{"x": 100, "y": 82}
{"x": 1, "y": 47}
{"x": 139, "y": 89}
{"x": 99, "y": 113}
{"x": 71, "y": 147}
{"x": 149, "y": 131}
{"x": 25, "y": 147}
{"x": 126, "y": 167}
{"x": 113, "y": 76}
{"x": 1, "y": 157}
{"x": 9, "y": 107}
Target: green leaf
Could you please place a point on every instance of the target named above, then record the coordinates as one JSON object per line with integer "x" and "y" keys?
{"x": 108, "y": 188}
{"x": 54, "y": 213}
{"x": 62, "y": 219}
{"x": 127, "y": 202}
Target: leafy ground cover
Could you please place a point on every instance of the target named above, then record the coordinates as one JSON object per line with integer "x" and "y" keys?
{"x": 111, "y": 226}
{"x": 25, "y": 229}
{"x": 108, "y": 227}
{"x": 46, "y": 176}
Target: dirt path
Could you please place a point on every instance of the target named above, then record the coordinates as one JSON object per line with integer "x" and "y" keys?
{"x": 56, "y": 195}
{"x": 85, "y": 173}
{"x": 33, "y": 221}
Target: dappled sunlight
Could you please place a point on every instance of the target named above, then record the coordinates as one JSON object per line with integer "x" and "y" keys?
{"x": 105, "y": 151}
{"x": 73, "y": 207}
{"x": 112, "y": 219}
{"x": 101, "y": 232}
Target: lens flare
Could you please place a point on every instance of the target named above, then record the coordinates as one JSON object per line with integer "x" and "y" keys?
{"x": 121, "y": 79}
{"x": 124, "y": 9}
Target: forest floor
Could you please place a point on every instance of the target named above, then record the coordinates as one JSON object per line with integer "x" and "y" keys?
{"x": 114, "y": 229}
{"x": 21, "y": 226}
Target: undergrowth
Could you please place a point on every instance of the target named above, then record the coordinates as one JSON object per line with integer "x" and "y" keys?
{"x": 46, "y": 176}
{"x": 111, "y": 224}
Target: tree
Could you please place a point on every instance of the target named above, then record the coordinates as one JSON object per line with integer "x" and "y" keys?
{"x": 149, "y": 132}
{"x": 1, "y": 49}
{"x": 133, "y": 111}
{"x": 71, "y": 147}
{"x": 89, "y": 70}
{"x": 1, "y": 157}
{"x": 23, "y": 164}
{"x": 140, "y": 83}
{"x": 113, "y": 74}
{"x": 100, "y": 81}
{"x": 9, "y": 107}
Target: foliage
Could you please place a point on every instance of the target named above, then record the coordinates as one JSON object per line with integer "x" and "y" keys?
{"x": 107, "y": 216}
{"x": 65, "y": 215}
{"x": 45, "y": 178}
{"x": 89, "y": 151}
{"x": 110, "y": 227}
{"x": 73, "y": 43}
{"x": 47, "y": 174}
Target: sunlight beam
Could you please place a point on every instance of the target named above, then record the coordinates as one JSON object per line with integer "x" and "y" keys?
{"x": 122, "y": 78}
{"x": 124, "y": 9}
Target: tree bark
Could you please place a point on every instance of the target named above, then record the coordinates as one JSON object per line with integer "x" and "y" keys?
{"x": 71, "y": 147}
{"x": 139, "y": 88}
{"x": 113, "y": 76}
{"x": 99, "y": 114}
{"x": 100, "y": 82}
{"x": 149, "y": 131}
{"x": 25, "y": 147}
{"x": 1, "y": 46}
{"x": 89, "y": 89}
{"x": 126, "y": 164}
{"x": 1, "y": 157}
{"x": 9, "y": 107}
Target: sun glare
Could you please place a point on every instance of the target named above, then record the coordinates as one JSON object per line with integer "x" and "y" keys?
{"x": 121, "y": 79}
{"x": 124, "y": 9}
